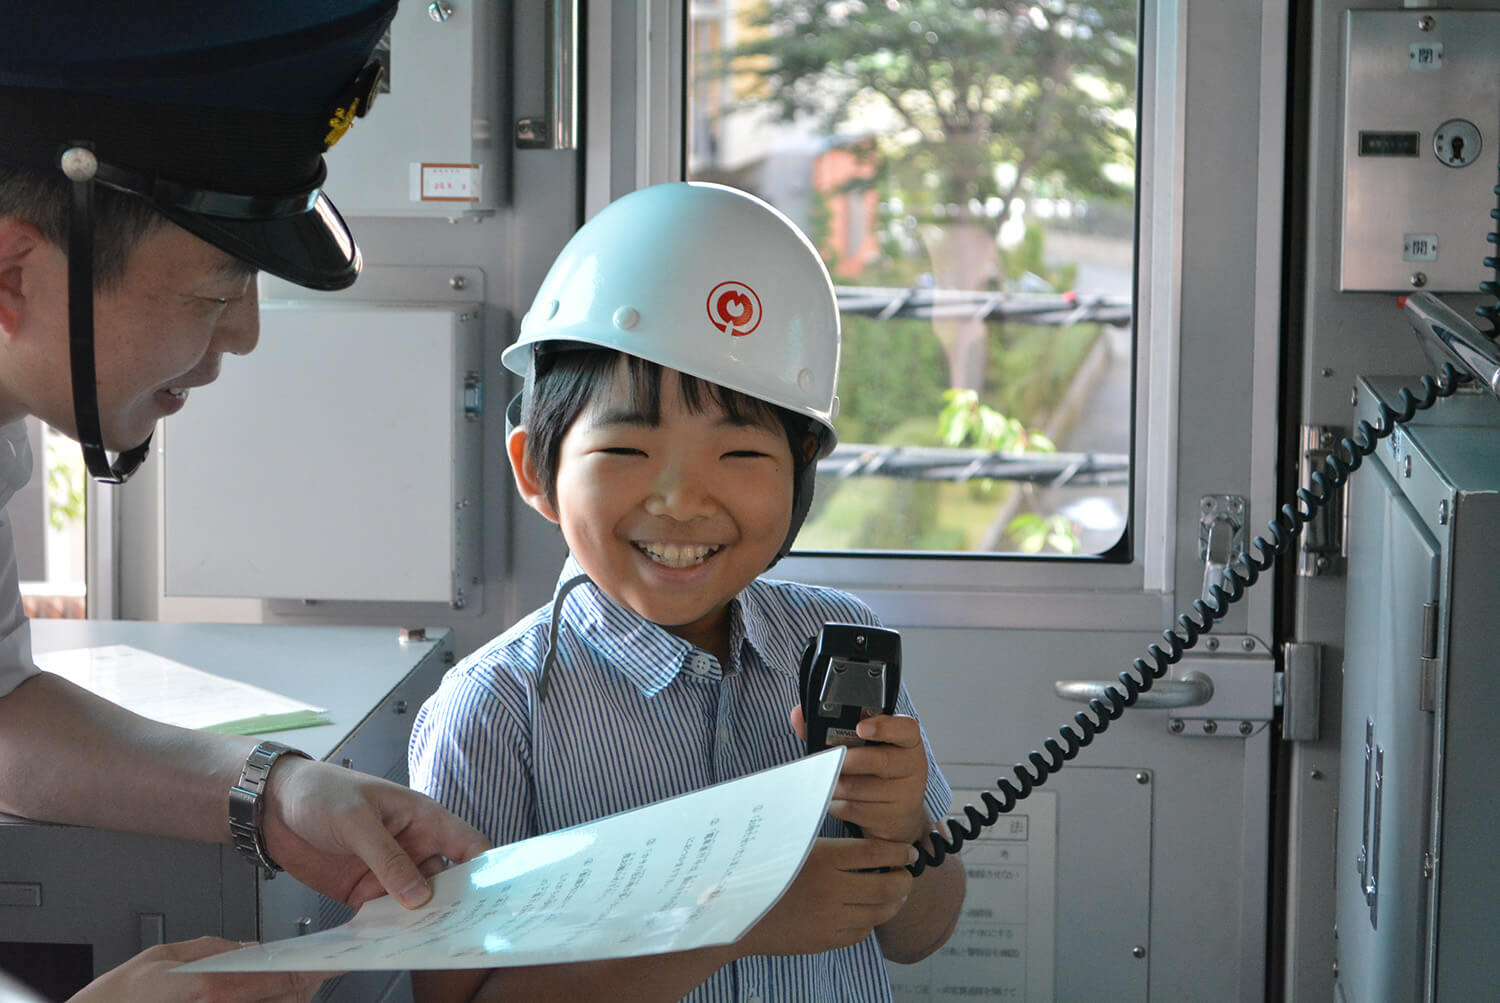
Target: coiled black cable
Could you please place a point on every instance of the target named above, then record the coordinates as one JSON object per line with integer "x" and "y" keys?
{"x": 1243, "y": 574}
{"x": 1491, "y": 311}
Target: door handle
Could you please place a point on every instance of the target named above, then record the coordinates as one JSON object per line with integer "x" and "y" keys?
{"x": 1193, "y": 690}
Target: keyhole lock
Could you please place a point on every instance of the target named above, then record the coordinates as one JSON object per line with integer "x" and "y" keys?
{"x": 1456, "y": 142}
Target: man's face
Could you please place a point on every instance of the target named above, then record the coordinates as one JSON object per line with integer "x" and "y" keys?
{"x": 158, "y": 332}
{"x": 672, "y": 520}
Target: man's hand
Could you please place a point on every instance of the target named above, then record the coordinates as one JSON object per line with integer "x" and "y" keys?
{"x": 838, "y": 897}
{"x": 881, "y": 787}
{"x": 355, "y": 837}
{"x": 149, "y": 976}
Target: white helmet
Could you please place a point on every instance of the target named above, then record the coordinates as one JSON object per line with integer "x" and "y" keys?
{"x": 703, "y": 279}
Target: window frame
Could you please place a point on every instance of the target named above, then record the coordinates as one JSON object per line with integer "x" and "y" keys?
{"x": 636, "y": 137}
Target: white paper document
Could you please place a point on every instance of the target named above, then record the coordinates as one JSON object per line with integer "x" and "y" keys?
{"x": 693, "y": 871}
{"x": 173, "y": 693}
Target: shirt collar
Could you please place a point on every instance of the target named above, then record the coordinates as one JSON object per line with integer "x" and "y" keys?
{"x": 649, "y": 656}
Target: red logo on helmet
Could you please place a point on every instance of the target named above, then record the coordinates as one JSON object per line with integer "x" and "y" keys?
{"x": 734, "y": 308}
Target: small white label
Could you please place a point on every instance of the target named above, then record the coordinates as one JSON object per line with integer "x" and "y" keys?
{"x": 445, "y": 183}
{"x": 1426, "y": 56}
{"x": 1419, "y": 247}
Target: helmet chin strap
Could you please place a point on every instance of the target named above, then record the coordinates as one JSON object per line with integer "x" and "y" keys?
{"x": 80, "y": 166}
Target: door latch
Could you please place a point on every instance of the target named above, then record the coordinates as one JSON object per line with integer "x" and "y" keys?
{"x": 1221, "y": 538}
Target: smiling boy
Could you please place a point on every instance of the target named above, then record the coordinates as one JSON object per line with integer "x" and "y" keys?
{"x": 680, "y": 360}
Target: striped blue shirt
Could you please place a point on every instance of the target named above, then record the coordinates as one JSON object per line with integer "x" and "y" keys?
{"x": 634, "y": 714}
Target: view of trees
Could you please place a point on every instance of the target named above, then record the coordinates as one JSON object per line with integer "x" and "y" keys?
{"x": 957, "y": 113}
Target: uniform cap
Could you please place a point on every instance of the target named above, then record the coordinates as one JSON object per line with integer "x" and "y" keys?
{"x": 217, "y": 115}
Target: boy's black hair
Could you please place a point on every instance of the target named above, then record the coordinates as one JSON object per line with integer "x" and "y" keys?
{"x": 565, "y": 376}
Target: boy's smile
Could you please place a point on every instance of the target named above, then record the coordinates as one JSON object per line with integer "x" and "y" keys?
{"x": 671, "y": 519}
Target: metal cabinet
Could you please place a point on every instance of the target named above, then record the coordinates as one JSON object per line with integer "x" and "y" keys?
{"x": 1420, "y": 800}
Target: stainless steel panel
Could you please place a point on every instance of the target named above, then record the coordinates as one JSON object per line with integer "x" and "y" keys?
{"x": 1421, "y": 214}
{"x": 1383, "y": 822}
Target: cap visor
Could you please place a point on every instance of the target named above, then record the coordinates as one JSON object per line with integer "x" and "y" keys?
{"x": 313, "y": 248}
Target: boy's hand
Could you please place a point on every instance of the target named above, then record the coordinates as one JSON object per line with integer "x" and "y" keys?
{"x": 882, "y": 786}
{"x": 838, "y": 897}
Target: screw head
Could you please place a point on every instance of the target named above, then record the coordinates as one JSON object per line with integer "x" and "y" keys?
{"x": 457, "y": 282}
{"x": 1246, "y": 727}
{"x": 1315, "y": 774}
{"x": 1138, "y": 951}
{"x": 1209, "y": 727}
{"x": 1212, "y": 644}
{"x": 1175, "y": 726}
{"x": 1247, "y": 643}
{"x": 1418, "y": 279}
{"x": 1143, "y": 778}
{"x": 1325, "y": 372}
{"x": 1425, "y": 22}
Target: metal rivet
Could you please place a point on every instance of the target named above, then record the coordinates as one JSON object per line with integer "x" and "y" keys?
{"x": 1246, "y": 727}
{"x": 1212, "y": 644}
{"x": 1138, "y": 951}
{"x": 1143, "y": 778}
{"x": 304, "y": 926}
{"x": 399, "y": 707}
{"x": 347, "y": 764}
{"x": 1175, "y": 726}
{"x": 1425, "y": 22}
{"x": 627, "y": 317}
{"x": 457, "y": 282}
{"x": 1315, "y": 774}
{"x": 79, "y": 164}
{"x": 1322, "y": 563}
{"x": 439, "y": 11}
{"x": 1418, "y": 279}
{"x": 1207, "y": 505}
{"x": 1326, "y": 373}
{"x": 1406, "y": 466}
{"x": 1248, "y": 644}
{"x": 1209, "y": 727}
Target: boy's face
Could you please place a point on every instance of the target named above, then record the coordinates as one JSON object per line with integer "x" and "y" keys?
{"x": 671, "y": 520}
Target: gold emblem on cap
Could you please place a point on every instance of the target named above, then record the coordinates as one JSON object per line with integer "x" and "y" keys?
{"x": 342, "y": 119}
{"x": 366, "y": 85}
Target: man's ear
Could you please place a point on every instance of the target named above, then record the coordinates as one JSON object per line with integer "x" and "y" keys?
{"x": 528, "y": 481}
{"x": 19, "y": 243}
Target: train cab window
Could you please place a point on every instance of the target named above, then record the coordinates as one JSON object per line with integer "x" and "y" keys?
{"x": 967, "y": 172}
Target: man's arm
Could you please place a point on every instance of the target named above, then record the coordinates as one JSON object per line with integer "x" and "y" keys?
{"x": 69, "y": 756}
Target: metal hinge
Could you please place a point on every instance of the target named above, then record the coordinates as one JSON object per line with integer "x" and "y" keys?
{"x": 1299, "y": 689}
{"x": 1321, "y": 550}
{"x": 1428, "y": 661}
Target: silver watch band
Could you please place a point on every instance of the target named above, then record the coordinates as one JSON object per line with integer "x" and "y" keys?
{"x": 247, "y": 806}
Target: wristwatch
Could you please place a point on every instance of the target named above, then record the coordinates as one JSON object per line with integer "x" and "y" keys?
{"x": 247, "y": 806}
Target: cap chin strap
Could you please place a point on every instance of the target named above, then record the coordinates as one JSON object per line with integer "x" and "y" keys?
{"x": 80, "y": 166}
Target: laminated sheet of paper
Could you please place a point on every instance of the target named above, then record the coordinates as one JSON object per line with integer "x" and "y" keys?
{"x": 692, "y": 871}
{"x": 173, "y": 693}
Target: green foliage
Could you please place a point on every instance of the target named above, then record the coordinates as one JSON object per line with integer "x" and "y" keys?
{"x": 1044, "y": 87}
{"x": 1033, "y": 532}
{"x": 964, "y": 421}
{"x": 64, "y": 488}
